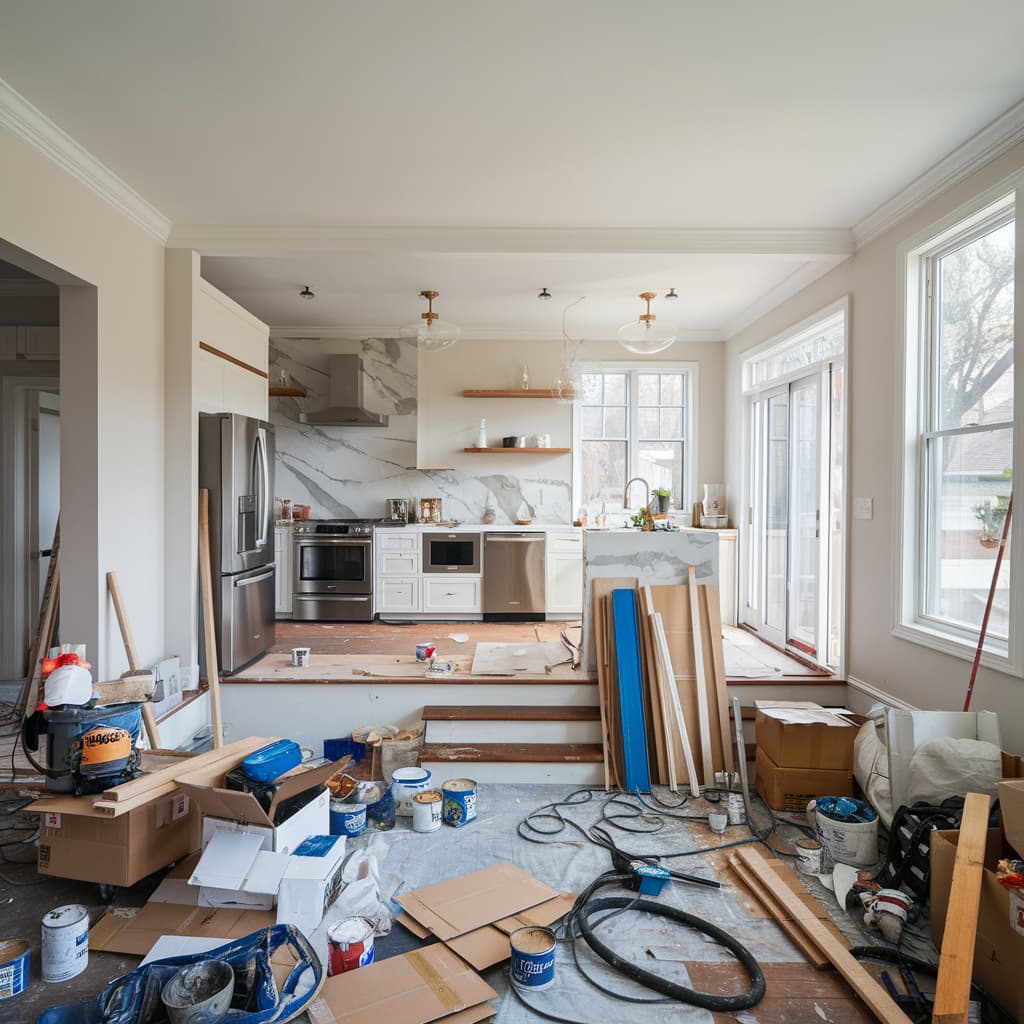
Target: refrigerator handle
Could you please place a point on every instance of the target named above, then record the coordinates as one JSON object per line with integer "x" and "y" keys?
{"x": 264, "y": 487}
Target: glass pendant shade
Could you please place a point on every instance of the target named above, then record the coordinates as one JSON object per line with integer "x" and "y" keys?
{"x": 435, "y": 336}
{"x": 646, "y": 338}
{"x": 566, "y": 383}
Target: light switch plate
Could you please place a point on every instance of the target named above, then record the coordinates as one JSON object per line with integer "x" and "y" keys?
{"x": 863, "y": 508}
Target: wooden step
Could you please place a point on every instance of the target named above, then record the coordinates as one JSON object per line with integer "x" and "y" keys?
{"x": 511, "y": 713}
{"x": 506, "y": 753}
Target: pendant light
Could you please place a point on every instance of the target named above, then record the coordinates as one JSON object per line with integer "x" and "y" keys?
{"x": 432, "y": 334}
{"x": 568, "y": 382}
{"x": 645, "y": 335}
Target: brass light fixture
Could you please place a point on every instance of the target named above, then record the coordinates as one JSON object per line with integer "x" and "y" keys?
{"x": 645, "y": 335}
{"x": 432, "y": 334}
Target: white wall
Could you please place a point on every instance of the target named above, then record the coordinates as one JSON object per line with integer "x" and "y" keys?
{"x": 873, "y": 279}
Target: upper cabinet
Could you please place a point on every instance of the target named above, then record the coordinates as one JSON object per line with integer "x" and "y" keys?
{"x": 31, "y": 342}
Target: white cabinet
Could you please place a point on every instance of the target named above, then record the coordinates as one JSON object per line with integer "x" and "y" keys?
{"x": 30, "y": 343}
{"x": 728, "y": 541}
{"x": 398, "y": 588}
{"x": 398, "y": 596}
{"x": 283, "y": 557}
{"x": 451, "y": 594}
{"x": 398, "y": 563}
{"x": 564, "y": 573}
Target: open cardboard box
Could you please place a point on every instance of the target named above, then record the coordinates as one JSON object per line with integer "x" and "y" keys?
{"x": 802, "y": 734}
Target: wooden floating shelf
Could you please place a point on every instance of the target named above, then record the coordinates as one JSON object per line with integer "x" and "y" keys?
{"x": 519, "y": 451}
{"x": 277, "y": 391}
{"x": 510, "y": 393}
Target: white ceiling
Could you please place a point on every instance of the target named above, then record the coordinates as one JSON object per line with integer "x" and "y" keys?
{"x": 575, "y": 115}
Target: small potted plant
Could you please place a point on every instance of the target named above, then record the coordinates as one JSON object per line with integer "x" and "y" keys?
{"x": 663, "y": 496}
{"x": 991, "y": 518}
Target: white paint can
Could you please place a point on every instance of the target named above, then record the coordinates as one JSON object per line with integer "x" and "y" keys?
{"x": 300, "y": 657}
{"x": 405, "y": 784}
{"x": 808, "y": 856}
{"x": 65, "y": 943}
{"x": 426, "y": 811}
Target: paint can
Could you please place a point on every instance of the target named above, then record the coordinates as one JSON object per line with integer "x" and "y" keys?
{"x": 426, "y": 811}
{"x": 65, "y": 942}
{"x": 300, "y": 657}
{"x": 533, "y": 958}
{"x": 425, "y": 651}
{"x": 718, "y": 822}
{"x": 735, "y": 809}
{"x": 809, "y": 856}
{"x": 459, "y": 802}
{"x": 199, "y": 993}
{"x": 347, "y": 819}
{"x": 349, "y": 945}
{"x": 14, "y": 967}
{"x": 848, "y": 830}
{"x": 405, "y": 784}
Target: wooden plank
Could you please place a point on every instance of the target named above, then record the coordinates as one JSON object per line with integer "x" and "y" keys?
{"x": 508, "y": 393}
{"x": 148, "y": 718}
{"x": 860, "y": 980}
{"x": 654, "y": 709}
{"x": 631, "y": 697}
{"x": 511, "y": 713}
{"x": 512, "y": 753}
{"x": 708, "y": 776}
{"x": 137, "y": 687}
{"x": 956, "y": 959}
{"x": 234, "y": 360}
{"x": 209, "y": 630}
{"x": 517, "y": 451}
{"x": 601, "y": 590}
{"x": 720, "y": 701}
{"x": 680, "y": 737}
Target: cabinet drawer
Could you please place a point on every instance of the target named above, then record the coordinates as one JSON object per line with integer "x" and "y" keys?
{"x": 451, "y": 595}
{"x": 397, "y": 540}
{"x": 398, "y": 595}
{"x": 564, "y": 541}
{"x": 398, "y": 563}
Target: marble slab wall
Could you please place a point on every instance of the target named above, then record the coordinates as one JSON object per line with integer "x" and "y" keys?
{"x": 351, "y": 471}
{"x": 661, "y": 558}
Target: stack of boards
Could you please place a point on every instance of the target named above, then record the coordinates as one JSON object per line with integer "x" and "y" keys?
{"x": 661, "y": 678}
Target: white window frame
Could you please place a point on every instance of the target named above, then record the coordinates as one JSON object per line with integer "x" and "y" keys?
{"x": 912, "y": 402}
{"x": 691, "y": 389}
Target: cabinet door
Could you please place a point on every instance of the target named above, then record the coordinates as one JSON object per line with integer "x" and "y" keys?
{"x": 8, "y": 343}
{"x": 398, "y": 595}
{"x": 451, "y": 594}
{"x": 727, "y": 576}
{"x": 39, "y": 342}
{"x": 565, "y": 583}
{"x": 283, "y": 557}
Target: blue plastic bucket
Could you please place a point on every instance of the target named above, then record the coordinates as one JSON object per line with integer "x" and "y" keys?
{"x": 533, "y": 958}
{"x": 14, "y": 958}
{"x": 347, "y": 819}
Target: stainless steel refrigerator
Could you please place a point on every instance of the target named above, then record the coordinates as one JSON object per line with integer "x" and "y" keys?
{"x": 236, "y": 465}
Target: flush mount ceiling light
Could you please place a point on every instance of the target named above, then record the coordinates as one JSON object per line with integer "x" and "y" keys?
{"x": 671, "y": 294}
{"x": 645, "y": 335}
{"x": 307, "y": 293}
{"x": 544, "y": 294}
{"x": 432, "y": 334}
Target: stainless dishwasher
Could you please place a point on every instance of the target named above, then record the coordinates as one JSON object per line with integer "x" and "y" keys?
{"x": 513, "y": 574}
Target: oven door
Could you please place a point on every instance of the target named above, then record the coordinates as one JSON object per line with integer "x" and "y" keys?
{"x": 333, "y": 565}
{"x": 451, "y": 552}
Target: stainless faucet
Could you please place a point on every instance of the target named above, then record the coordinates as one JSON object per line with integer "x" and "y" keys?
{"x": 648, "y": 518}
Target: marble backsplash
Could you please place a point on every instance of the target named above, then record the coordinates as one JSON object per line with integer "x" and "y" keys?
{"x": 351, "y": 471}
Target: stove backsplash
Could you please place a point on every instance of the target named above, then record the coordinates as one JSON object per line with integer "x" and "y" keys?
{"x": 344, "y": 472}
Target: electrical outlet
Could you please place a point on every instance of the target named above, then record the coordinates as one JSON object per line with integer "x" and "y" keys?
{"x": 863, "y": 508}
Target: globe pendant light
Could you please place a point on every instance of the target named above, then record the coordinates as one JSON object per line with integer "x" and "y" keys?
{"x": 645, "y": 335}
{"x": 432, "y": 334}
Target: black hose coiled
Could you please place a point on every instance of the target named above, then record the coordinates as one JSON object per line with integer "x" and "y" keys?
{"x": 724, "y": 1004}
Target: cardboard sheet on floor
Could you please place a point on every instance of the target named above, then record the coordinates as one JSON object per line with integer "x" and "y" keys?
{"x": 415, "y": 988}
{"x": 462, "y": 904}
{"x": 519, "y": 659}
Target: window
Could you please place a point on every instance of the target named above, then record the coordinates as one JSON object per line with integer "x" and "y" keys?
{"x": 635, "y": 421}
{"x": 961, "y": 432}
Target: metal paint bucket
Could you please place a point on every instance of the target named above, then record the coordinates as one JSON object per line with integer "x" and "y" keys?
{"x": 349, "y": 945}
{"x": 300, "y": 657}
{"x": 459, "y": 801}
{"x": 405, "y": 784}
{"x": 426, "y": 811}
{"x": 14, "y": 967}
{"x": 199, "y": 993}
{"x": 347, "y": 819}
{"x": 65, "y": 943}
{"x": 533, "y": 958}
{"x": 808, "y": 856}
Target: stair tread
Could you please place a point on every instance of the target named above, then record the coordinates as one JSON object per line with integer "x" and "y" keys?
{"x": 573, "y": 753}
{"x": 511, "y": 713}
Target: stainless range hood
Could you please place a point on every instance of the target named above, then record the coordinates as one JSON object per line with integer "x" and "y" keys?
{"x": 345, "y": 396}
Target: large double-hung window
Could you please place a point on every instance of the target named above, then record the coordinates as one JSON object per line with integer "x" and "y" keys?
{"x": 962, "y": 437}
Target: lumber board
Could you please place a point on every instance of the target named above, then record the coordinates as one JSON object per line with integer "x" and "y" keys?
{"x": 45, "y": 626}
{"x": 656, "y": 724}
{"x": 631, "y": 697}
{"x": 659, "y": 684}
{"x": 703, "y": 719}
{"x": 713, "y": 609}
{"x": 956, "y": 958}
{"x": 209, "y": 629}
{"x": 877, "y": 1000}
{"x": 600, "y": 590}
{"x": 136, "y": 687}
{"x": 679, "y": 737}
{"x": 148, "y": 718}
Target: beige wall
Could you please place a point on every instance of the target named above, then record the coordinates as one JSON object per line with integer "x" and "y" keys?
{"x": 873, "y": 280}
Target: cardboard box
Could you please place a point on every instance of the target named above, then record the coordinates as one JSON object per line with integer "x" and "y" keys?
{"x": 1011, "y": 804}
{"x": 789, "y": 789}
{"x": 234, "y": 871}
{"x": 77, "y": 841}
{"x": 311, "y": 882}
{"x": 801, "y": 734}
{"x": 998, "y": 948}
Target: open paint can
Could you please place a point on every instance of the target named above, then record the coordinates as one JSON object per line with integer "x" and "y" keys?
{"x": 809, "y": 856}
{"x": 349, "y": 945}
{"x": 65, "y": 942}
{"x": 426, "y": 811}
{"x": 14, "y": 960}
{"x": 533, "y": 958}
{"x": 459, "y": 802}
{"x": 405, "y": 784}
{"x": 347, "y": 819}
{"x": 199, "y": 993}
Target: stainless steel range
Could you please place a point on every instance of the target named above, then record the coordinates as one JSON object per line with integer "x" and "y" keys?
{"x": 333, "y": 570}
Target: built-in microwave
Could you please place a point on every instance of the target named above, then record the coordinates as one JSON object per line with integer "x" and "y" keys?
{"x": 451, "y": 552}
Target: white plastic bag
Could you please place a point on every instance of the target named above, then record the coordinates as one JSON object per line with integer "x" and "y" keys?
{"x": 361, "y": 895}
{"x": 871, "y": 764}
{"x": 947, "y": 766}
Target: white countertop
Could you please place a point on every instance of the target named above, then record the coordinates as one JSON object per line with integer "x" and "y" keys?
{"x": 482, "y": 528}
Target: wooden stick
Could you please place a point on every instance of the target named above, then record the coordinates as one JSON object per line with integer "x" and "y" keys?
{"x": 43, "y": 637}
{"x": 702, "y": 686}
{"x": 714, "y": 613}
{"x": 877, "y": 1000}
{"x": 209, "y": 630}
{"x": 148, "y": 718}
{"x": 669, "y": 683}
{"x": 653, "y": 704}
{"x": 956, "y": 961}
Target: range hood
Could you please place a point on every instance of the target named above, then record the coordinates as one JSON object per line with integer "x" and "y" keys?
{"x": 345, "y": 397}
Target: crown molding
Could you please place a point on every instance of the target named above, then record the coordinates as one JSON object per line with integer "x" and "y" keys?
{"x": 331, "y": 332}
{"x": 996, "y": 138}
{"x": 30, "y": 124}
{"x": 274, "y": 239}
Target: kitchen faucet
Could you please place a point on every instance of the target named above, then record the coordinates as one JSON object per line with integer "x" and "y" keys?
{"x": 648, "y": 518}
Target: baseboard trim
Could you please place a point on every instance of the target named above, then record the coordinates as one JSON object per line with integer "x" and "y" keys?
{"x": 876, "y": 695}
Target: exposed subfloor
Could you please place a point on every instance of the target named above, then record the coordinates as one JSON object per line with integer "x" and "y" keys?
{"x": 796, "y": 992}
